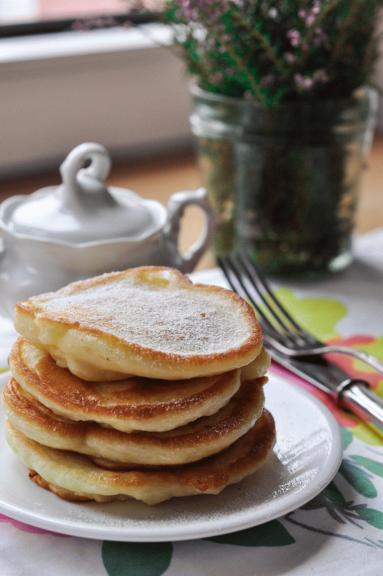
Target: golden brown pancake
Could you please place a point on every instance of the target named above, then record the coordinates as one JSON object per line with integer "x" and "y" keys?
{"x": 127, "y": 405}
{"x": 150, "y": 321}
{"x": 74, "y": 477}
{"x": 257, "y": 368}
{"x": 113, "y": 448}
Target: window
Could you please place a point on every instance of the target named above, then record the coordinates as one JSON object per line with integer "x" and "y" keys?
{"x": 20, "y": 17}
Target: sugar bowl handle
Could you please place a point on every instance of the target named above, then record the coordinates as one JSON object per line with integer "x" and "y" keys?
{"x": 176, "y": 207}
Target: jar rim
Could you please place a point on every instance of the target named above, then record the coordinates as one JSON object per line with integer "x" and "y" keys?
{"x": 361, "y": 93}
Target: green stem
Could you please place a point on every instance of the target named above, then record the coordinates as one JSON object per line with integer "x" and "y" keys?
{"x": 369, "y": 56}
{"x": 339, "y": 44}
{"x": 326, "y": 10}
{"x": 256, "y": 89}
{"x": 263, "y": 41}
{"x": 254, "y": 85}
{"x": 199, "y": 68}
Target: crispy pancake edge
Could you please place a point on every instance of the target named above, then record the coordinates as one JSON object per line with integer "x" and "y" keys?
{"x": 129, "y": 417}
{"x": 77, "y": 473}
{"x": 189, "y": 443}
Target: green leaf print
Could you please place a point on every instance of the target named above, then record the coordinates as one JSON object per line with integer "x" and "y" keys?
{"x": 328, "y": 498}
{"x": 318, "y": 315}
{"x": 346, "y": 437}
{"x": 372, "y": 516}
{"x": 370, "y": 465}
{"x": 269, "y": 534}
{"x": 134, "y": 559}
{"x": 358, "y": 479}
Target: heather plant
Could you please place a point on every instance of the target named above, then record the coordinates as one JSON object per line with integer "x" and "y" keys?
{"x": 282, "y": 158}
{"x": 273, "y": 51}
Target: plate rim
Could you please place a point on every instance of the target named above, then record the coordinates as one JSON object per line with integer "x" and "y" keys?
{"x": 175, "y": 534}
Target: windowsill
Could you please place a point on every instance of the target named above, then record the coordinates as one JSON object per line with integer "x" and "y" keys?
{"x": 67, "y": 44}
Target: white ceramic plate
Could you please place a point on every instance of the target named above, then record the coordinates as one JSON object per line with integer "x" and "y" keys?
{"x": 306, "y": 457}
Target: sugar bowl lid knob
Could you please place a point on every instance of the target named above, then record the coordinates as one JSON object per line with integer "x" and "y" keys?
{"x": 83, "y": 173}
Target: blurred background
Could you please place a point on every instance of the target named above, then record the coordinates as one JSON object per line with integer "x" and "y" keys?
{"x": 63, "y": 83}
{"x": 96, "y": 70}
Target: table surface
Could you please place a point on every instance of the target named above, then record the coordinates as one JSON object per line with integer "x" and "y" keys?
{"x": 158, "y": 178}
{"x": 341, "y": 530}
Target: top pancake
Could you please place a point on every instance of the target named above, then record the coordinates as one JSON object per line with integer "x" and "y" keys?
{"x": 150, "y": 321}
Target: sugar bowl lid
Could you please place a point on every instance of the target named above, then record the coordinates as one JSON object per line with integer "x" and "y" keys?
{"x": 82, "y": 208}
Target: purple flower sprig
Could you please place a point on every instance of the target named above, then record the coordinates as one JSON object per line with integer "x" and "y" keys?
{"x": 276, "y": 51}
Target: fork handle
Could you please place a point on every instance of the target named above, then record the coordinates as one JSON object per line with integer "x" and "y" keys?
{"x": 358, "y": 354}
{"x": 357, "y": 397}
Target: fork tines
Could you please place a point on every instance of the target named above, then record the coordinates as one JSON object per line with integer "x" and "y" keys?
{"x": 245, "y": 278}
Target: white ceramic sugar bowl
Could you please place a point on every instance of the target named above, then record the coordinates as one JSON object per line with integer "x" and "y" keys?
{"x": 83, "y": 228}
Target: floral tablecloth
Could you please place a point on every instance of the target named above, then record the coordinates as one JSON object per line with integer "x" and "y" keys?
{"x": 339, "y": 532}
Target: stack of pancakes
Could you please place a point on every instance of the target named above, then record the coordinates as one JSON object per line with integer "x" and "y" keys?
{"x": 138, "y": 384}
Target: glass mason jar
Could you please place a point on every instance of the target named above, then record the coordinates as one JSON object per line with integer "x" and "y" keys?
{"x": 284, "y": 181}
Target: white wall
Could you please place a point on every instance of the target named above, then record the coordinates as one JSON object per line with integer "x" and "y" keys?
{"x": 126, "y": 97}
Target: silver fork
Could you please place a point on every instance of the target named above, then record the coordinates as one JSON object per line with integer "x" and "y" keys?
{"x": 281, "y": 332}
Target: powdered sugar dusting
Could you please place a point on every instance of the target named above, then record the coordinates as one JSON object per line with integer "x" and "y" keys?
{"x": 177, "y": 320}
